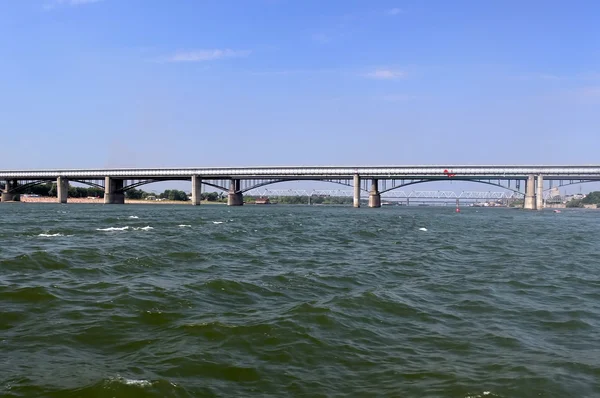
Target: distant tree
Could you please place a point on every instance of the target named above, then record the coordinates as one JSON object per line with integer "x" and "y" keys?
{"x": 135, "y": 194}
{"x": 173, "y": 194}
{"x": 591, "y": 198}
{"x": 212, "y": 196}
{"x": 40, "y": 189}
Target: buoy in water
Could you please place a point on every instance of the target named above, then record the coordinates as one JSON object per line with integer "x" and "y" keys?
{"x": 457, "y": 210}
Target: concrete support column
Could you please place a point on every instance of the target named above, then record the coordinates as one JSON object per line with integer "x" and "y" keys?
{"x": 7, "y": 195}
{"x": 356, "y": 190}
{"x": 113, "y": 191}
{"x": 539, "y": 196}
{"x": 374, "y": 195}
{"x": 235, "y": 197}
{"x": 196, "y": 190}
{"x": 62, "y": 189}
{"x": 529, "y": 193}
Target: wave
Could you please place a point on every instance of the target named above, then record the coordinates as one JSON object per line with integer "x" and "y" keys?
{"x": 27, "y": 294}
{"x": 113, "y": 229}
{"x": 110, "y": 229}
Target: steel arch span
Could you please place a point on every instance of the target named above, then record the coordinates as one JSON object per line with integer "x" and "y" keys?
{"x": 28, "y": 184}
{"x": 462, "y": 180}
{"x": 569, "y": 183}
{"x": 344, "y": 182}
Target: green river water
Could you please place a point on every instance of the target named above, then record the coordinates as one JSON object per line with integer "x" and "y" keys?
{"x": 298, "y": 301}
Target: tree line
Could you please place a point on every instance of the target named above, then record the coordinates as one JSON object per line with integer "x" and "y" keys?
{"x": 593, "y": 198}
{"x": 50, "y": 189}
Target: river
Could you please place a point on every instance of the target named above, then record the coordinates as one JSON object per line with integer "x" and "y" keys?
{"x": 298, "y": 301}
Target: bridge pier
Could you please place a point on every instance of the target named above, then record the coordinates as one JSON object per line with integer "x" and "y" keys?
{"x": 356, "y": 190}
{"x": 113, "y": 191}
{"x": 7, "y": 195}
{"x": 374, "y": 195}
{"x": 235, "y": 197}
{"x": 529, "y": 203}
{"x": 62, "y": 189}
{"x": 539, "y": 197}
{"x": 196, "y": 190}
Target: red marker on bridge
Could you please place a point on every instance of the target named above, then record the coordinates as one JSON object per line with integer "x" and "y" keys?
{"x": 450, "y": 174}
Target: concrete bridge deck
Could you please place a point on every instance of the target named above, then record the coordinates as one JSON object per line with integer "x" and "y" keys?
{"x": 318, "y": 172}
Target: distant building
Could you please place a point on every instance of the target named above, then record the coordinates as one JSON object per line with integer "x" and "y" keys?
{"x": 262, "y": 201}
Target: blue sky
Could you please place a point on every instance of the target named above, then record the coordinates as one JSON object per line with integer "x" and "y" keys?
{"x": 136, "y": 83}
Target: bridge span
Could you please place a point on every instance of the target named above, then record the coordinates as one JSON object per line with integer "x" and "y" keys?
{"x": 394, "y": 195}
{"x": 372, "y": 180}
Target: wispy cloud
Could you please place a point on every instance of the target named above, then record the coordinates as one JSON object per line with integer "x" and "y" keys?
{"x": 394, "y": 11}
{"x": 57, "y": 3}
{"x": 386, "y": 74}
{"x": 206, "y": 55}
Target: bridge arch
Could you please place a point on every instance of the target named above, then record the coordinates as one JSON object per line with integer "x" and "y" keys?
{"x": 347, "y": 183}
{"x": 28, "y": 184}
{"x": 571, "y": 182}
{"x": 462, "y": 180}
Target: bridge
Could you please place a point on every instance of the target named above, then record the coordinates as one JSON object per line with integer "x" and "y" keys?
{"x": 374, "y": 181}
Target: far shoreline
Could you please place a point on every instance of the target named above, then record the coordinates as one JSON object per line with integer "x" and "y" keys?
{"x": 100, "y": 201}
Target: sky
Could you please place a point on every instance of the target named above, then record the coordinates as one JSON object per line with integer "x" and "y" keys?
{"x": 157, "y": 83}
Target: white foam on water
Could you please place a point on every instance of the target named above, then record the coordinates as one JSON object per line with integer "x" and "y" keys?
{"x": 133, "y": 217}
{"x": 423, "y": 229}
{"x": 135, "y": 382}
{"x": 217, "y": 222}
{"x": 479, "y": 395}
{"x": 112, "y": 229}
{"x": 50, "y": 235}
{"x": 184, "y": 225}
{"x": 148, "y": 228}
{"x": 141, "y": 383}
